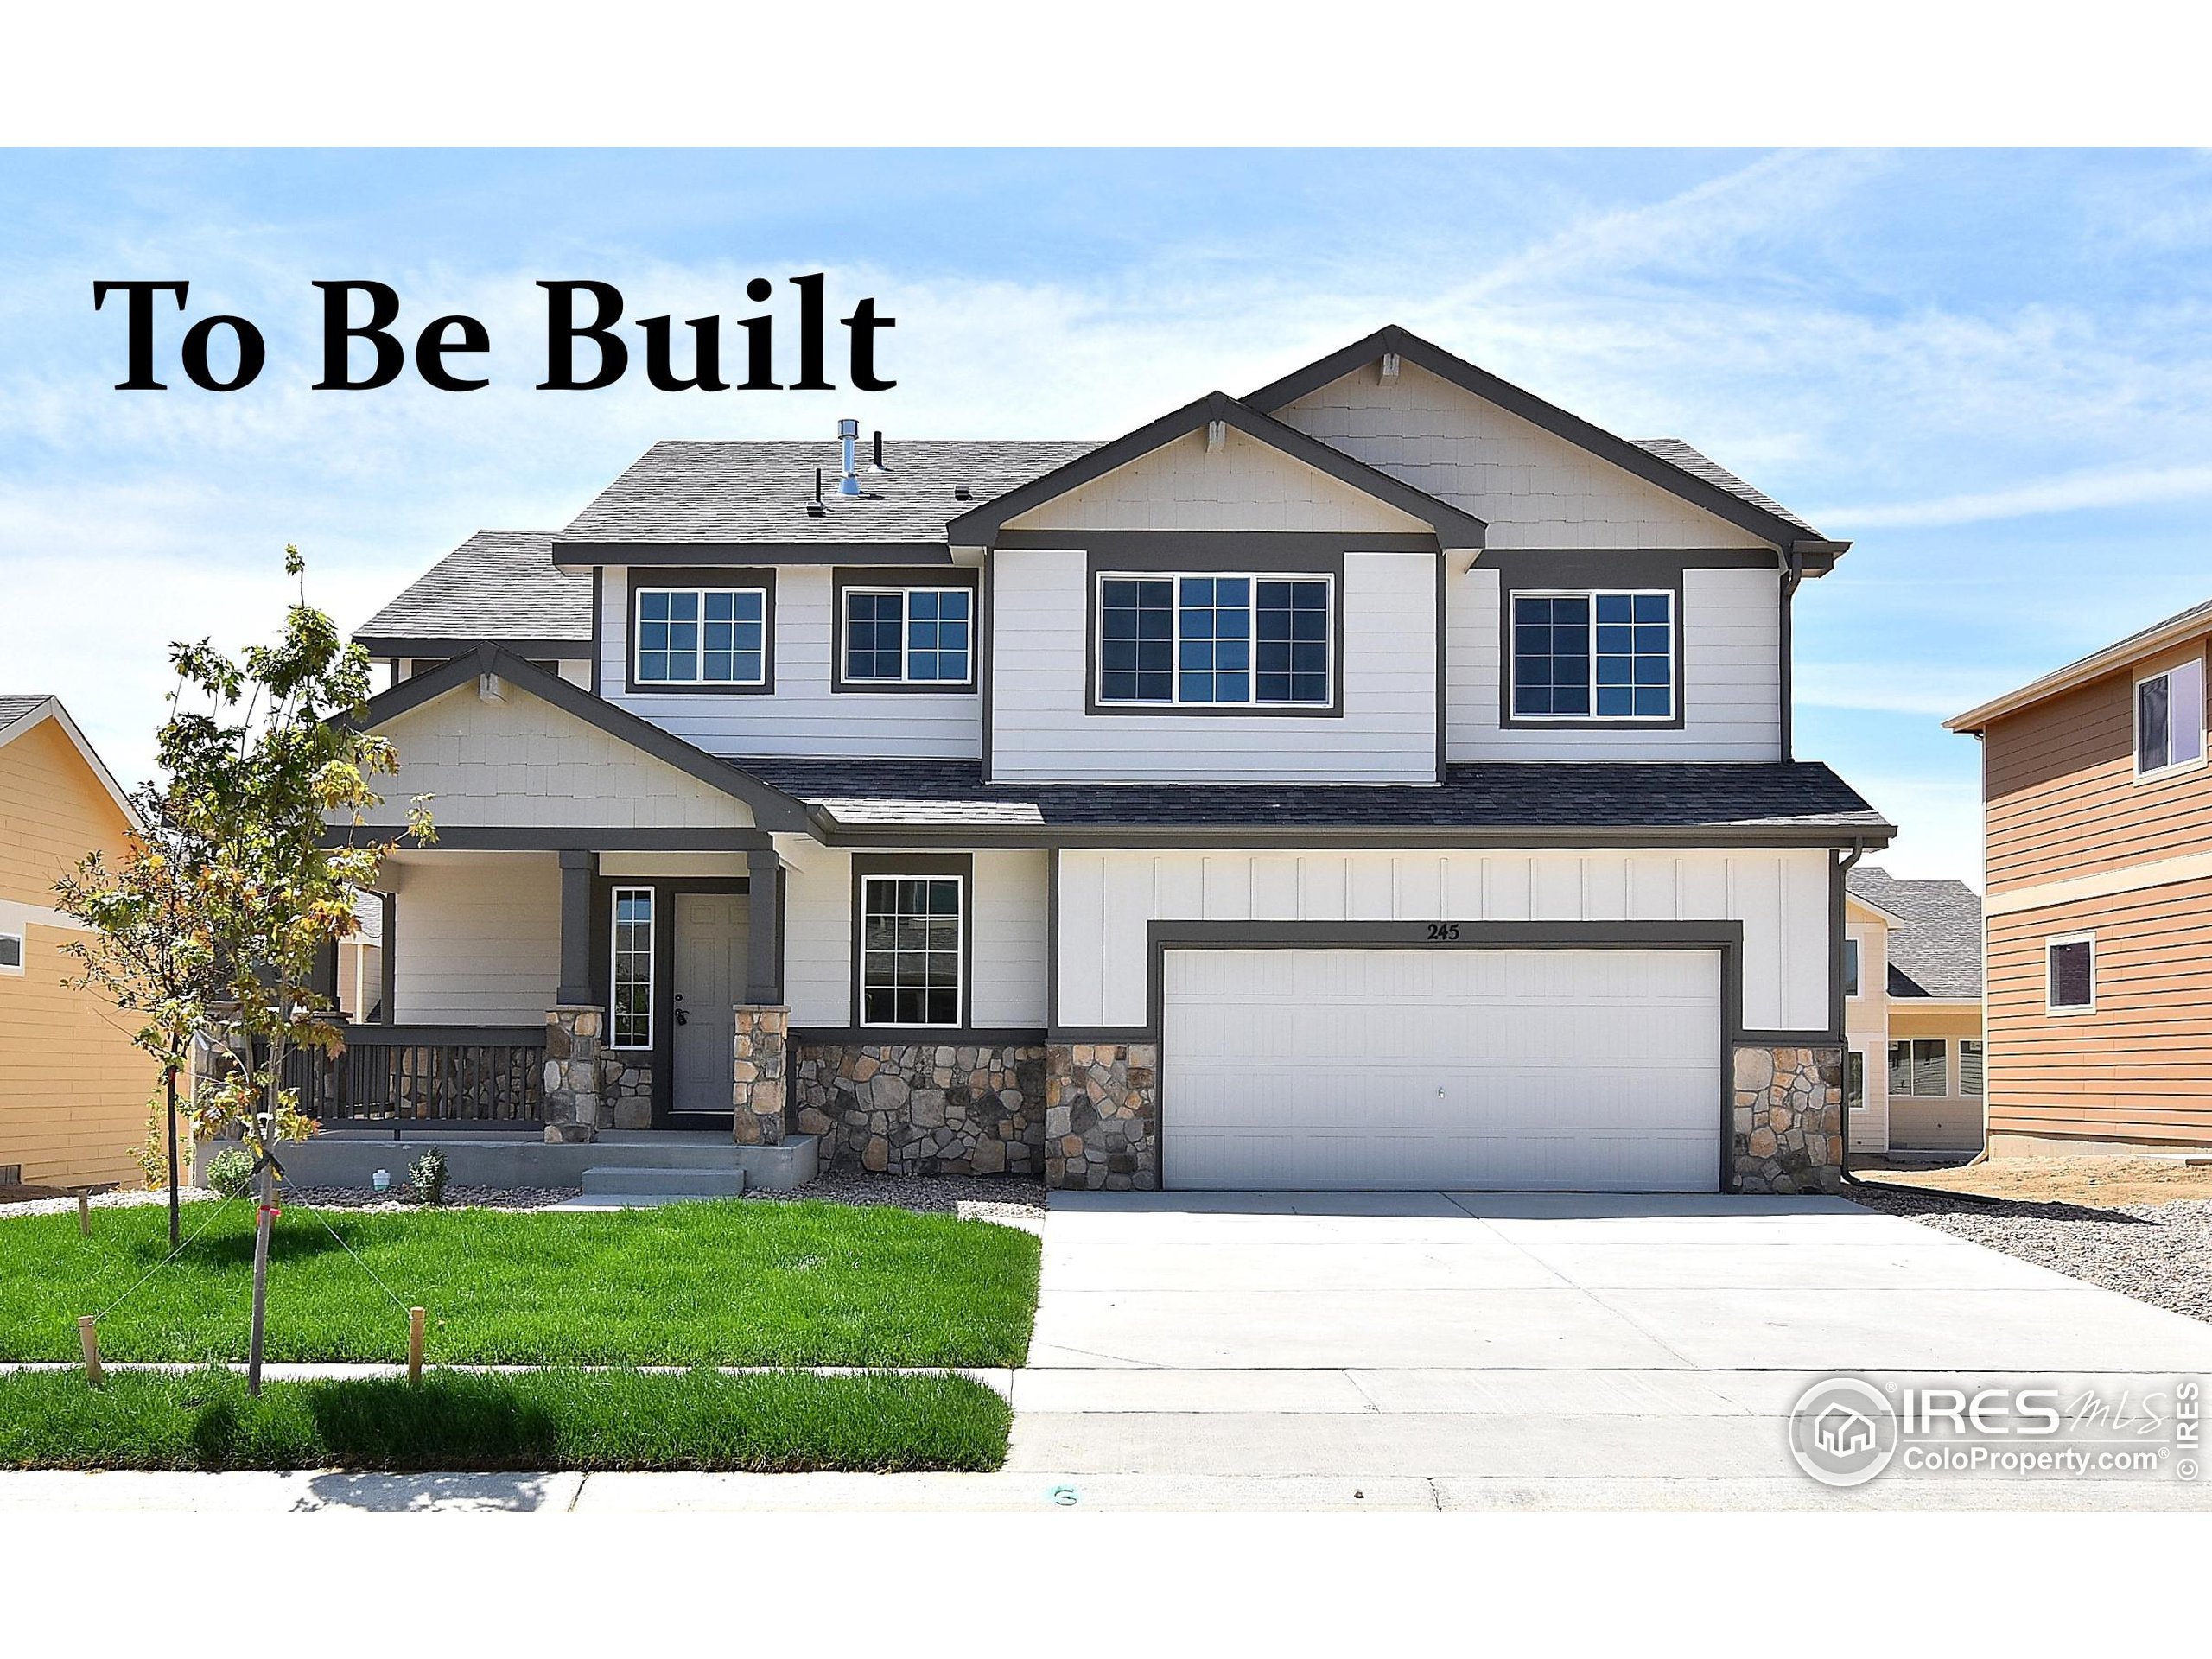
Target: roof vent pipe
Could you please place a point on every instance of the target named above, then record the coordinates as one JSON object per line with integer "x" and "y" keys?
{"x": 876, "y": 464}
{"x": 848, "y": 434}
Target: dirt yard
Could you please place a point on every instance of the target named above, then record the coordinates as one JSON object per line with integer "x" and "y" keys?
{"x": 2099, "y": 1183}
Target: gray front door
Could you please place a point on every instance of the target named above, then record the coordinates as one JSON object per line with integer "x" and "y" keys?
{"x": 710, "y": 974}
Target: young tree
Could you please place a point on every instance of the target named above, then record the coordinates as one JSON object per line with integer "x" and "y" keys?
{"x": 151, "y": 950}
{"x": 261, "y": 755}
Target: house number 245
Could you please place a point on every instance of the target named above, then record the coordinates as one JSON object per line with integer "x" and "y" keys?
{"x": 1443, "y": 932}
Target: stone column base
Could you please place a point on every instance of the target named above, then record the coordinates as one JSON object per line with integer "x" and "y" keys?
{"x": 1787, "y": 1130}
{"x": 1101, "y": 1116}
{"x": 759, "y": 1094}
{"x": 572, "y": 1045}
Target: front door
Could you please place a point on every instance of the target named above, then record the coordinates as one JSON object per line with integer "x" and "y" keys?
{"x": 709, "y": 977}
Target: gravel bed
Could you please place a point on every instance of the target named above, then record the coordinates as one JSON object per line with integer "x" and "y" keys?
{"x": 1010, "y": 1200}
{"x": 101, "y": 1201}
{"x": 401, "y": 1197}
{"x": 2155, "y": 1253}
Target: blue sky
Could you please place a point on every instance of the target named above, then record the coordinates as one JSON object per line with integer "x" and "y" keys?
{"x": 1987, "y": 369}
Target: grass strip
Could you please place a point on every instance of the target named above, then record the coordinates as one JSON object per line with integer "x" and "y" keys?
{"x": 458, "y": 1421}
{"x": 731, "y": 1283}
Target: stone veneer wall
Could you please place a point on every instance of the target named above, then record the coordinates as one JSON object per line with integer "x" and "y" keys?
{"x": 1788, "y": 1120}
{"x": 1101, "y": 1116}
{"x": 572, "y": 1039}
{"x": 924, "y": 1108}
{"x": 626, "y": 1089}
{"x": 758, "y": 1093}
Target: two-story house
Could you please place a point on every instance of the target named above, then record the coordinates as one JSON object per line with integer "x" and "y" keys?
{"x": 1912, "y": 1076}
{"x": 1381, "y": 779}
{"x": 2097, "y": 809}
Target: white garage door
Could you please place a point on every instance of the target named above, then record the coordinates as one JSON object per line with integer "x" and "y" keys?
{"x": 1594, "y": 1070}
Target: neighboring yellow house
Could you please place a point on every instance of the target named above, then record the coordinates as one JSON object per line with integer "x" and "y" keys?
{"x": 1913, "y": 1066}
{"x": 74, "y": 1090}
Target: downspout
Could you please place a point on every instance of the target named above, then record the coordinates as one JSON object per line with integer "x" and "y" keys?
{"x": 1792, "y": 572}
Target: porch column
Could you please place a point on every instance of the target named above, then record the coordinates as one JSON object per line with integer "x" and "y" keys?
{"x": 388, "y": 959}
{"x": 577, "y": 869}
{"x": 763, "y": 928}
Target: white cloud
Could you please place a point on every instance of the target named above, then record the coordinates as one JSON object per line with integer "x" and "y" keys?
{"x": 2072, "y": 492}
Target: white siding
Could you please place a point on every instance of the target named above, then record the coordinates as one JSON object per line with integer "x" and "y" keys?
{"x": 478, "y": 939}
{"x": 522, "y": 761}
{"x": 1108, "y": 899}
{"x": 1532, "y": 488}
{"x": 1039, "y": 731}
{"x": 1732, "y": 672}
{"x": 803, "y": 715}
{"x": 1247, "y": 484}
{"x": 1010, "y": 909}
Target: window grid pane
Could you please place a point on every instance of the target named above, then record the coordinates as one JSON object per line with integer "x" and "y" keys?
{"x": 1136, "y": 641}
{"x": 631, "y": 1026}
{"x": 1291, "y": 626}
{"x": 1551, "y": 656}
{"x": 2152, "y": 701}
{"x": 910, "y": 951}
{"x": 937, "y": 634}
{"x": 2072, "y": 974}
{"x": 1214, "y": 652}
{"x": 1970, "y": 1066}
{"x": 873, "y": 623}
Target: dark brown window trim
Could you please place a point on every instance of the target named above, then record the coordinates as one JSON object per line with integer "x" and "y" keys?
{"x": 894, "y": 864}
{"x": 637, "y": 580}
{"x": 903, "y": 576}
{"x": 1259, "y": 559}
{"x": 1522, "y": 571}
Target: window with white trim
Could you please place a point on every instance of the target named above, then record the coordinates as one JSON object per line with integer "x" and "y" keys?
{"x": 1920, "y": 1067}
{"x": 701, "y": 636}
{"x": 1851, "y": 967}
{"x": 2070, "y": 974}
{"x": 908, "y": 636}
{"x": 1855, "y": 1079}
{"x": 1970, "y": 1065}
{"x": 631, "y": 1022}
{"x": 911, "y": 949}
{"x": 2170, "y": 719}
{"x": 1215, "y": 640}
{"x": 11, "y": 953}
{"x": 1593, "y": 655}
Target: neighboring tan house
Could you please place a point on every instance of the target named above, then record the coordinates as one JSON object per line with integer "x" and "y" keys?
{"x": 2098, "y": 838}
{"x": 1912, "y": 1013}
{"x": 74, "y": 1090}
{"x": 1383, "y": 779}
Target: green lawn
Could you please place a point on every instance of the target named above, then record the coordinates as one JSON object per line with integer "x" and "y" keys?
{"x": 730, "y": 1283}
{"x": 532, "y": 1421}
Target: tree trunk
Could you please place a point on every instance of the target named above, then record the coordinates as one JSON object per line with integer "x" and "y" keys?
{"x": 265, "y": 1196}
{"x": 174, "y": 1228}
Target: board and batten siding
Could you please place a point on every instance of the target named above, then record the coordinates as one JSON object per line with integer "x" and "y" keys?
{"x": 1040, "y": 732}
{"x": 1533, "y": 488}
{"x": 522, "y": 762}
{"x": 802, "y": 716}
{"x": 1730, "y": 690}
{"x": 478, "y": 939}
{"x": 73, "y": 1089}
{"x": 1006, "y": 980}
{"x": 1108, "y": 898}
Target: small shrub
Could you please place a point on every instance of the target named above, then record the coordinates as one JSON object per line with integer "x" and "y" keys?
{"x": 428, "y": 1175}
{"x": 231, "y": 1172}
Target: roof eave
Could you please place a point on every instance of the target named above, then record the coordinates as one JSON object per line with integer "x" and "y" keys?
{"x": 2096, "y": 666}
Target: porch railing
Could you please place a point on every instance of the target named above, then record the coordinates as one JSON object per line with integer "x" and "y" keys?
{"x": 396, "y": 1075}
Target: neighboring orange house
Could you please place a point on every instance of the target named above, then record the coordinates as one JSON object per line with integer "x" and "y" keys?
{"x": 2098, "y": 808}
{"x": 74, "y": 1090}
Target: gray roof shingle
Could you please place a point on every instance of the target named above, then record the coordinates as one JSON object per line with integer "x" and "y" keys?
{"x": 1675, "y": 453}
{"x": 14, "y": 705}
{"x": 1938, "y": 951}
{"x": 739, "y": 492}
{"x": 499, "y": 584}
{"x": 1556, "y": 795}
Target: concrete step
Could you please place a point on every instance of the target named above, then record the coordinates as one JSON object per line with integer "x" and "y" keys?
{"x": 634, "y": 1200}
{"x": 610, "y": 1179}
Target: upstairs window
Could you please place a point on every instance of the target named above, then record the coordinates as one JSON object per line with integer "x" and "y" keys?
{"x": 1851, "y": 967}
{"x": 2070, "y": 974}
{"x": 2170, "y": 719}
{"x": 1215, "y": 640}
{"x": 1593, "y": 656}
{"x": 701, "y": 636}
{"x": 909, "y": 636}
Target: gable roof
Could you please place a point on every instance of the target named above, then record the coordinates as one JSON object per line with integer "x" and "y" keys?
{"x": 1670, "y": 463}
{"x": 22, "y": 711}
{"x": 499, "y": 584}
{"x": 979, "y": 526}
{"x": 1935, "y": 950}
{"x": 2175, "y": 630}
{"x": 756, "y": 495}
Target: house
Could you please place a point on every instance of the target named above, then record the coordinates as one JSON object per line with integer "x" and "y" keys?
{"x": 1911, "y": 1013}
{"x": 1383, "y": 779}
{"x": 74, "y": 1090}
{"x": 2097, "y": 833}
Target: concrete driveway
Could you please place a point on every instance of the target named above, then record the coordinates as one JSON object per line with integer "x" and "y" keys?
{"x": 1441, "y": 1350}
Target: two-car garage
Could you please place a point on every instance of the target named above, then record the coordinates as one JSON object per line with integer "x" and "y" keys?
{"x": 1562, "y": 1069}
